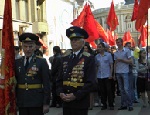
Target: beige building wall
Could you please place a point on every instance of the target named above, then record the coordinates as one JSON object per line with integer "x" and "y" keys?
{"x": 25, "y": 15}
{"x": 59, "y": 17}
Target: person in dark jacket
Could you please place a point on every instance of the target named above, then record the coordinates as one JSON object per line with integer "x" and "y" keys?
{"x": 88, "y": 49}
{"x": 56, "y": 64}
{"x": 32, "y": 75}
{"x": 76, "y": 76}
{"x": 38, "y": 52}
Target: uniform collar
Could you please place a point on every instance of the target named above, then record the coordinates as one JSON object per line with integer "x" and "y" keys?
{"x": 77, "y": 52}
{"x": 122, "y": 49}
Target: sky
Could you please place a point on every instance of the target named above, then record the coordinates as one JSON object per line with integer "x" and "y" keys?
{"x": 104, "y": 3}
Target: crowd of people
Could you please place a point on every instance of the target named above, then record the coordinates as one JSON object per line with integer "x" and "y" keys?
{"x": 81, "y": 77}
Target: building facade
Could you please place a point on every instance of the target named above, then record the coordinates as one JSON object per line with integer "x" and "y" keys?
{"x": 28, "y": 16}
{"x": 49, "y": 17}
{"x": 124, "y": 14}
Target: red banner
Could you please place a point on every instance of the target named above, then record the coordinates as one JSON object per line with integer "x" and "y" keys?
{"x": 128, "y": 38}
{"x": 101, "y": 31}
{"x": 80, "y": 19}
{"x": 112, "y": 19}
{"x": 142, "y": 14}
{"x": 143, "y": 36}
{"x": 7, "y": 86}
{"x": 135, "y": 10}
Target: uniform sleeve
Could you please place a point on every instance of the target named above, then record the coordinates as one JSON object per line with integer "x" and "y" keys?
{"x": 46, "y": 82}
{"x": 89, "y": 75}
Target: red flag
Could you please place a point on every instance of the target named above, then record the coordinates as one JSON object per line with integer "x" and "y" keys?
{"x": 111, "y": 38}
{"x": 132, "y": 42}
{"x": 90, "y": 25}
{"x": 43, "y": 44}
{"x": 93, "y": 44}
{"x": 80, "y": 19}
{"x": 135, "y": 10}
{"x": 112, "y": 19}
{"x": 128, "y": 38}
{"x": 143, "y": 36}
{"x": 101, "y": 31}
{"x": 7, "y": 86}
{"x": 142, "y": 14}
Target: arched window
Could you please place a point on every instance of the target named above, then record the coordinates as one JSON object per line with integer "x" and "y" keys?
{"x": 128, "y": 22}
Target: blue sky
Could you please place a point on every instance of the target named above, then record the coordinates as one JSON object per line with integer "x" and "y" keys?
{"x": 104, "y": 3}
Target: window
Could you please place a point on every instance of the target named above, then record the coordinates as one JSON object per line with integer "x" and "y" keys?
{"x": 17, "y": 9}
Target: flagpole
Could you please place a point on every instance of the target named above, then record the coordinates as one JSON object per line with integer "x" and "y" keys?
{"x": 148, "y": 26}
{"x": 147, "y": 42}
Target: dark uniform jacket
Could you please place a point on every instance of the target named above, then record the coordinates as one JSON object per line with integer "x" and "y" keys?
{"x": 77, "y": 77}
{"x": 33, "y": 85}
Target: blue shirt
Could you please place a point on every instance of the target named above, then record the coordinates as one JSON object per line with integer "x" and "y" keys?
{"x": 103, "y": 65}
{"x": 124, "y": 54}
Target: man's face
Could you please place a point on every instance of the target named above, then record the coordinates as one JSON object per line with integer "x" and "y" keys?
{"x": 129, "y": 46}
{"x": 100, "y": 48}
{"x": 76, "y": 44}
{"x": 119, "y": 43}
{"x": 85, "y": 48}
{"x": 28, "y": 48}
{"x": 16, "y": 52}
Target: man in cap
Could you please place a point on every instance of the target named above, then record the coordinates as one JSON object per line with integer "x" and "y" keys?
{"x": 32, "y": 75}
{"x": 76, "y": 76}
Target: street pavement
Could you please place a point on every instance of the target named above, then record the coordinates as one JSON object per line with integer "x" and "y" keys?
{"x": 138, "y": 110}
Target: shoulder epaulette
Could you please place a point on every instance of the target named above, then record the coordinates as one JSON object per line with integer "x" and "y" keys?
{"x": 39, "y": 56}
{"x": 67, "y": 53}
{"x": 86, "y": 54}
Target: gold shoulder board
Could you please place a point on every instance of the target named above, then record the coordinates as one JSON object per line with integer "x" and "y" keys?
{"x": 39, "y": 56}
{"x": 67, "y": 53}
{"x": 86, "y": 54}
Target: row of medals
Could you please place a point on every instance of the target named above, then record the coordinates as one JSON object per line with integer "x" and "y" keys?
{"x": 77, "y": 73}
{"x": 32, "y": 71}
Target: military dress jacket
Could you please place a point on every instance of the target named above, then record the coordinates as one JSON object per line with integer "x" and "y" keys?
{"x": 77, "y": 77}
{"x": 33, "y": 84}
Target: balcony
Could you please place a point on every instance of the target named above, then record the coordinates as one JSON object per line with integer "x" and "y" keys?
{"x": 39, "y": 27}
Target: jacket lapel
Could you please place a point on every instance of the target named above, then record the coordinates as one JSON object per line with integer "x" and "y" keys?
{"x": 31, "y": 62}
{"x": 72, "y": 62}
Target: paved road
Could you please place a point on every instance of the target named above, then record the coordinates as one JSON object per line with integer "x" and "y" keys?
{"x": 138, "y": 110}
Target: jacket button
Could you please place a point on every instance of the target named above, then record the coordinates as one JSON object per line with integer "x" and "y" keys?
{"x": 68, "y": 91}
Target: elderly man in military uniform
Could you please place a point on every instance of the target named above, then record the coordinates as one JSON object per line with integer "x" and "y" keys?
{"x": 77, "y": 76}
{"x": 32, "y": 75}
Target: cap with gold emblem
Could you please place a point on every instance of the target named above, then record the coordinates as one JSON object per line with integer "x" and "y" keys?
{"x": 76, "y": 32}
{"x": 28, "y": 37}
